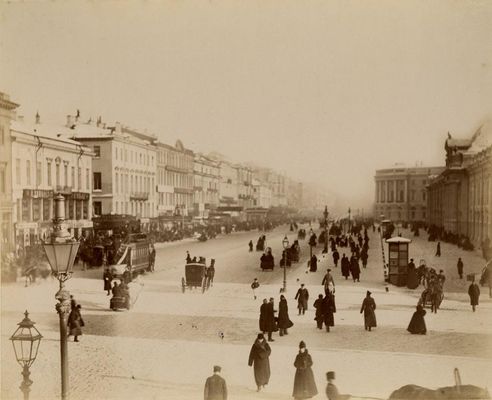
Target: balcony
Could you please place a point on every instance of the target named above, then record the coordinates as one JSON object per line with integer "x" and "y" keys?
{"x": 142, "y": 196}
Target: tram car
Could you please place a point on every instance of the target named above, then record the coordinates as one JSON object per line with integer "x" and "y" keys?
{"x": 133, "y": 257}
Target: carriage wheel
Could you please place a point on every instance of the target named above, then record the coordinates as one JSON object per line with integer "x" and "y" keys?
{"x": 183, "y": 285}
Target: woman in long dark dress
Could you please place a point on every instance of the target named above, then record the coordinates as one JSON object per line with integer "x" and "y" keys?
{"x": 328, "y": 310}
{"x": 318, "y": 305}
{"x": 75, "y": 323}
{"x": 259, "y": 359}
{"x": 304, "y": 385}
{"x": 417, "y": 323}
{"x": 284, "y": 321}
{"x": 368, "y": 307}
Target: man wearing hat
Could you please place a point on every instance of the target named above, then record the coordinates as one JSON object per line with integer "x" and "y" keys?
{"x": 331, "y": 389}
{"x": 302, "y": 297}
{"x": 368, "y": 307}
{"x": 304, "y": 384}
{"x": 215, "y": 386}
{"x": 328, "y": 282}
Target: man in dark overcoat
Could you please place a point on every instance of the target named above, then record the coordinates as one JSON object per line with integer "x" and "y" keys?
{"x": 355, "y": 268}
{"x": 318, "y": 306}
{"x": 368, "y": 307}
{"x": 474, "y": 293}
{"x": 215, "y": 386}
{"x": 345, "y": 266}
{"x": 302, "y": 297}
{"x": 459, "y": 265}
{"x": 313, "y": 266}
{"x": 328, "y": 310}
{"x": 108, "y": 277}
{"x": 263, "y": 315}
{"x": 336, "y": 257}
{"x": 259, "y": 359}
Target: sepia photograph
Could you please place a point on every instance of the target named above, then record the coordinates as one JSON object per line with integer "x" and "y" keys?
{"x": 246, "y": 200}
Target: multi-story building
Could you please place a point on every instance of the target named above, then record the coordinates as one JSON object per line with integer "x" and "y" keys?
{"x": 7, "y": 114}
{"x": 262, "y": 194}
{"x": 175, "y": 165}
{"x": 123, "y": 168}
{"x": 294, "y": 194}
{"x": 45, "y": 163}
{"x": 245, "y": 186}
{"x": 401, "y": 193}
{"x": 206, "y": 185}
{"x": 228, "y": 188}
{"x": 460, "y": 198}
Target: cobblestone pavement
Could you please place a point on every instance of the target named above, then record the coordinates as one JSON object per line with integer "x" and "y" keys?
{"x": 165, "y": 346}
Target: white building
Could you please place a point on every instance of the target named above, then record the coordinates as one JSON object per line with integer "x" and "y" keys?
{"x": 44, "y": 163}
{"x": 206, "y": 185}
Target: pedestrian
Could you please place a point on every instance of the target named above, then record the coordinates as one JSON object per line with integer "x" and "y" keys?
{"x": 267, "y": 319}
{"x": 302, "y": 297}
{"x": 355, "y": 268}
{"x": 259, "y": 359}
{"x": 328, "y": 310}
{"x": 215, "y": 386}
{"x": 345, "y": 266}
{"x": 255, "y": 285}
{"x": 108, "y": 277}
{"x": 368, "y": 307}
{"x": 313, "y": 265}
{"x": 284, "y": 321}
{"x": 211, "y": 271}
{"x": 331, "y": 389}
{"x": 328, "y": 282}
{"x": 474, "y": 293}
{"x": 304, "y": 384}
{"x": 250, "y": 244}
{"x": 152, "y": 257}
{"x": 319, "y": 307}
{"x": 73, "y": 303}
{"x": 411, "y": 264}
{"x": 75, "y": 323}
{"x": 438, "y": 249}
{"x": 188, "y": 257}
{"x": 336, "y": 257}
{"x": 460, "y": 268}
{"x": 417, "y": 323}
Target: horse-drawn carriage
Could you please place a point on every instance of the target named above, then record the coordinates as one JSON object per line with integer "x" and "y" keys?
{"x": 432, "y": 295}
{"x": 266, "y": 260}
{"x": 290, "y": 255}
{"x": 301, "y": 234}
{"x": 260, "y": 244}
{"x": 195, "y": 277}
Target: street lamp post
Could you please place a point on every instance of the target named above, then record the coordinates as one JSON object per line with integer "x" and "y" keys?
{"x": 285, "y": 243}
{"x": 61, "y": 251}
{"x": 26, "y": 340}
{"x": 326, "y": 229}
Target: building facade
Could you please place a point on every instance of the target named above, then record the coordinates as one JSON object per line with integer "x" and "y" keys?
{"x": 401, "y": 193}
{"x": 7, "y": 235}
{"x": 206, "y": 178}
{"x": 175, "y": 179}
{"x": 45, "y": 163}
{"x": 245, "y": 186}
{"x": 123, "y": 169}
{"x": 460, "y": 198}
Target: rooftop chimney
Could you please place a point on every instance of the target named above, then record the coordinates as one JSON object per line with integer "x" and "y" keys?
{"x": 38, "y": 118}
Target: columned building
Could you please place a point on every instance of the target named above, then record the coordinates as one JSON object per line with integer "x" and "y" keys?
{"x": 401, "y": 193}
{"x": 245, "y": 186}
{"x": 7, "y": 114}
{"x": 206, "y": 185}
{"x": 175, "y": 165}
{"x": 460, "y": 198}
{"x": 45, "y": 163}
{"x": 123, "y": 169}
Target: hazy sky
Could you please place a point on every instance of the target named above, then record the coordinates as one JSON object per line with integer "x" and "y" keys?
{"x": 328, "y": 91}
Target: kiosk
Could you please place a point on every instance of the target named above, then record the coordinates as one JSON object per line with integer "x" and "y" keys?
{"x": 398, "y": 260}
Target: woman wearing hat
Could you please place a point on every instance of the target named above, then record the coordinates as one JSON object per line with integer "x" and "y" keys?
{"x": 304, "y": 385}
{"x": 368, "y": 306}
{"x": 259, "y": 359}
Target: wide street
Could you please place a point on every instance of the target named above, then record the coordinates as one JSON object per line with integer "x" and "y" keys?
{"x": 166, "y": 345}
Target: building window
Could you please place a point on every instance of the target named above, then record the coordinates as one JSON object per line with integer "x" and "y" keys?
{"x": 97, "y": 151}
{"x": 48, "y": 173}
{"x": 97, "y": 208}
{"x": 97, "y": 181}
{"x": 39, "y": 174}
{"x": 2, "y": 181}
{"x": 73, "y": 177}
{"x": 57, "y": 174}
{"x": 28, "y": 172}
{"x": 65, "y": 172}
{"x": 116, "y": 186}
{"x": 423, "y": 195}
{"x": 79, "y": 178}
{"x": 116, "y": 152}
{"x": 18, "y": 171}
{"x": 87, "y": 179}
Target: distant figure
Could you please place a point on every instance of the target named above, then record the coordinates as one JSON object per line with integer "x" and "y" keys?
{"x": 255, "y": 285}
{"x": 211, "y": 271}
{"x": 368, "y": 307}
{"x": 438, "y": 250}
{"x": 417, "y": 323}
{"x": 474, "y": 293}
{"x": 304, "y": 384}
{"x": 328, "y": 310}
{"x": 319, "y": 307}
{"x": 215, "y": 386}
{"x": 313, "y": 265}
{"x": 108, "y": 277}
{"x": 250, "y": 244}
{"x": 336, "y": 257}
{"x": 302, "y": 297}
{"x": 75, "y": 323}
{"x": 345, "y": 266}
{"x": 259, "y": 359}
{"x": 188, "y": 257}
{"x": 331, "y": 389}
{"x": 328, "y": 282}
{"x": 460, "y": 268}
{"x": 151, "y": 258}
{"x": 284, "y": 321}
